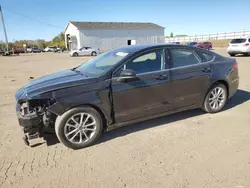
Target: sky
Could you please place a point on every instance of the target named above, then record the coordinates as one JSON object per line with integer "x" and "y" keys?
{"x": 178, "y": 16}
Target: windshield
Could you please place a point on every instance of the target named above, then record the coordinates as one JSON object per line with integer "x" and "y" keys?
{"x": 101, "y": 64}
{"x": 83, "y": 48}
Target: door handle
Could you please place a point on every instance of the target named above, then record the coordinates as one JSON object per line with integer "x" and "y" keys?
{"x": 162, "y": 77}
{"x": 206, "y": 70}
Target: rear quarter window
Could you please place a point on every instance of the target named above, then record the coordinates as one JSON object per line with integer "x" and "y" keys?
{"x": 205, "y": 57}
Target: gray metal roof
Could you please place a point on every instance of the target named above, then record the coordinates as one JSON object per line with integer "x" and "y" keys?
{"x": 115, "y": 25}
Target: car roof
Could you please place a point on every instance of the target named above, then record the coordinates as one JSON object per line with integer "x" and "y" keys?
{"x": 135, "y": 48}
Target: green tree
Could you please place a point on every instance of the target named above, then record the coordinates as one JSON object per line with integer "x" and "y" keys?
{"x": 171, "y": 34}
{"x": 59, "y": 40}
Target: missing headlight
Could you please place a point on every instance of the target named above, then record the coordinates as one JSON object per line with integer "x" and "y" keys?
{"x": 37, "y": 106}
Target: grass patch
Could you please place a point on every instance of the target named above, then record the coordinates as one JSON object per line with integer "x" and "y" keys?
{"x": 220, "y": 43}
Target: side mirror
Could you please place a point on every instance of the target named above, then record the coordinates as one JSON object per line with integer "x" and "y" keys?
{"x": 126, "y": 75}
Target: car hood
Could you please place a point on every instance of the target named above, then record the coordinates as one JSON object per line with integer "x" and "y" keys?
{"x": 51, "y": 82}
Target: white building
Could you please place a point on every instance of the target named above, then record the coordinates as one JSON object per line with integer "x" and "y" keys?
{"x": 110, "y": 35}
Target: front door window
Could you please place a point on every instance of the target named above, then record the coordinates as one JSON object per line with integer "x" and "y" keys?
{"x": 148, "y": 62}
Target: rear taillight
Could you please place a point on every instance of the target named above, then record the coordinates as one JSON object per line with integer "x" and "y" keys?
{"x": 235, "y": 65}
{"x": 247, "y": 44}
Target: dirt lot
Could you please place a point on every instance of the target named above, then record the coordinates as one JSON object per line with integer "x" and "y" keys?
{"x": 189, "y": 149}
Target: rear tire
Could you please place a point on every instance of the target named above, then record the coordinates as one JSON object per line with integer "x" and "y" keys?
{"x": 80, "y": 128}
{"x": 232, "y": 55}
{"x": 94, "y": 53}
{"x": 216, "y": 98}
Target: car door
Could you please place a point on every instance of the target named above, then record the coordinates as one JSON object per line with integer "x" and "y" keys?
{"x": 88, "y": 51}
{"x": 82, "y": 51}
{"x": 148, "y": 93}
{"x": 189, "y": 77}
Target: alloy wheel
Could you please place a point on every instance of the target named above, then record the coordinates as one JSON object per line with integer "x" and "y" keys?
{"x": 80, "y": 128}
{"x": 217, "y": 98}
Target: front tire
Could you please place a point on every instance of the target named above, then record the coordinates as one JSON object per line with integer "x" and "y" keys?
{"x": 216, "y": 98}
{"x": 79, "y": 127}
{"x": 93, "y": 54}
{"x": 75, "y": 54}
{"x": 232, "y": 55}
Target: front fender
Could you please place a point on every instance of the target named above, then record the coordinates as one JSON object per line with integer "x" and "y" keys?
{"x": 99, "y": 99}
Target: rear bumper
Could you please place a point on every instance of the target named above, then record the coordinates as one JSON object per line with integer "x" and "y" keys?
{"x": 238, "y": 50}
{"x": 233, "y": 87}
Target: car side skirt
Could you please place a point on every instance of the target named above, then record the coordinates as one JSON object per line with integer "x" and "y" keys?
{"x": 115, "y": 126}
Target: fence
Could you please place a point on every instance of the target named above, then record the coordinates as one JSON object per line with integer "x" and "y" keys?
{"x": 216, "y": 36}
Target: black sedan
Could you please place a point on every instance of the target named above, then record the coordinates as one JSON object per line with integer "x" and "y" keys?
{"x": 124, "y": 86}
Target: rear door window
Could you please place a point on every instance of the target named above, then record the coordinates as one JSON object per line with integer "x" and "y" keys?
{"x": 183, "y": 57}
{"x": 235, "y": 41}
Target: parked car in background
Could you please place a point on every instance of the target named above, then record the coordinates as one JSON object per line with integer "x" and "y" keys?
{"x": 205, "y": 45}
{"x": 124, "y": 86}
{"x": 85, "y": 51}
{"x": 2, "y": 52}
{"x": 17, "y": 51}
{"x": 175, "y": 43}
{"x": 191, "y": 43}
{"x": 239, "y": 46}
{"x": 28, "y": 50}
{"x": 36, "y": 50}
{"x": 50, "y": 49}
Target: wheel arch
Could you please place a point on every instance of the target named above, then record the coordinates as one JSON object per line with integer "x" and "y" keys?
{"x": 224, "y": 82}
{"x": 59, "y": 111}
{"x": 99, "y": 110}
{"x": 220, "y": 81}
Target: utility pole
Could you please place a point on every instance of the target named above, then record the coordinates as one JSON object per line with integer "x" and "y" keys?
{"x": 4, "y": 29}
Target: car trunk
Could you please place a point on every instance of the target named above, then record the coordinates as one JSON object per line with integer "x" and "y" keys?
{"x": 237, "y": 44}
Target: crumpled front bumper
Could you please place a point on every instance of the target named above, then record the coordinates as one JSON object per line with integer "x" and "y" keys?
{"x": 31, "y": 124}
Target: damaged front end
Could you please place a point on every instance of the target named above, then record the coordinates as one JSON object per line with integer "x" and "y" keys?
{"x": 34, "y": 118}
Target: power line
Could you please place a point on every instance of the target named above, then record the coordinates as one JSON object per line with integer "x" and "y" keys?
{"x": 41, "y": 22}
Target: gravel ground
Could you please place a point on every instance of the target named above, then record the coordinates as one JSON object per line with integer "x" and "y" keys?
{"x": 188, "y": 149}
